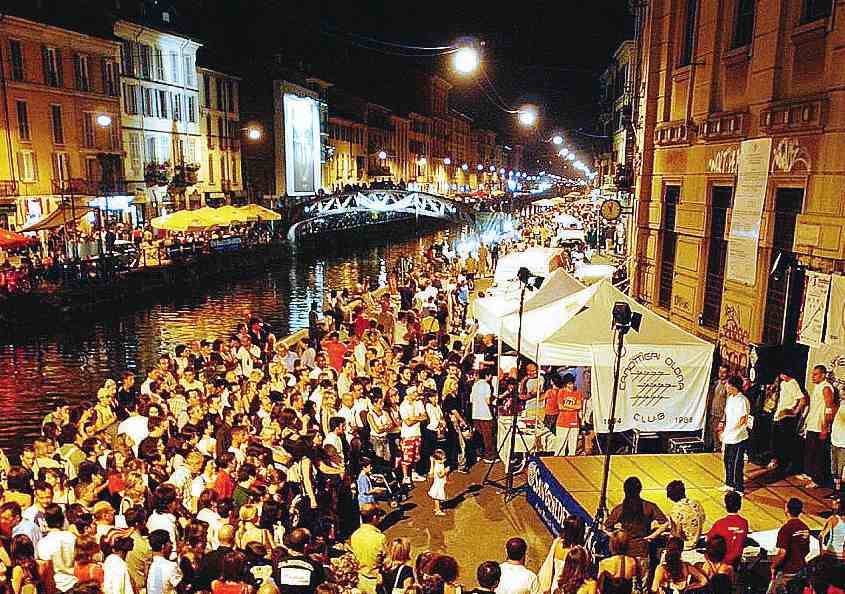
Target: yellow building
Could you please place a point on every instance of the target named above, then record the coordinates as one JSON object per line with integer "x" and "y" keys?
{"x": 347, "y": 164}
{"x": 61, "y": 109}
{"x": 716, "y": 76}
{"x": 220, "y": 127}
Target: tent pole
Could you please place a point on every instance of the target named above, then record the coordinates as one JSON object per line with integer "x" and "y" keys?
{"x": 601, "y": 512}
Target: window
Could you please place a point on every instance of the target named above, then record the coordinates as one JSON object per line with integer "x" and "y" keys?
{"x": 56, "y": 124}
{"x": 688, "y": 41}
{"x": 192, "y": 109}
{"x": 159, "y": 64}
{"x": 127, "y": 58}
{"x": 180, "y": 151}
{"x": 234, "y": 170}
{"x": 114, "y": 136}
{"x": 174, "y": 67}
{"x": 17, "y": 59}
{"x": 130, "y": 98}
{"x": 210, "y": 168}
{"x": 190, "y": 72}
{"x": 89, "y": 138}
{"x": 815, "y": 10}
{"x": 135, "y": 152}
{"x": 80, "y": 72}
{"x": 92, "y": 169}
{"x": 177, "y": 107}
{"x": 61, "y": 168}
{"x": 164, "y": 152}
{"x": 744, "y": 24}
{"x": 220, "y": 91}
{"x": 148, "y": 105}
{"x": 27, "y": 165}
{"x": 209, "y": 132}
{"x": 780, "y": 321}
{"x": 151, "y": 154}
{"x": 190, "y": 150}
{"x": 670, "y": 244}
{"x": 52, "y": 59}
{"x": 162, "y": 104}
{"x": 221, "y": 133}
{"x": 146, "y": 60}
{"x": 223, "y": 173}
{"x": 206, "y": 84}
{"x": 714, "y": 282}
{"x": 110, "y": 78}
{"x": 23, "y": 120}
{"x": 230, "y": 100}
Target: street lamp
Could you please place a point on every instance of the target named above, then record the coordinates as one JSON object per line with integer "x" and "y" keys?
{"x": 502, "y": 171}
{"x": 104, "y": 120}
{"x": 492, "y": 168}
{"x": 557, "y": 139}
{"x": 253, "y": 133}
{"x": 480, "y": 167}
{"x": 382, "y": 155}
{"x": 466, "y": 59}
{"x": 421, "y": 161}
{"x": 464, "y": 166}
{"x": 571, "y": 156}
{"x": 527, "y": 116}
{"x": 447, "y": 161}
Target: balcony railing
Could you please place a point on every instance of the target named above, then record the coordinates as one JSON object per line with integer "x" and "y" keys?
{"x": 8, "y": 188}
{"x": 87, "y": 187}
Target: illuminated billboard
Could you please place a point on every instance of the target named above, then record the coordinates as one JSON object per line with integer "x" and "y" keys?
{"x": 302, "y": 145}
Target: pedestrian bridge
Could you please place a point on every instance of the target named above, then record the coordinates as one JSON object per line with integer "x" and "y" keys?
{"x": 389, "y": 202}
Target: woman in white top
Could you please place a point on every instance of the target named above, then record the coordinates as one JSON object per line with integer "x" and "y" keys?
{"x": 380, "y": 424}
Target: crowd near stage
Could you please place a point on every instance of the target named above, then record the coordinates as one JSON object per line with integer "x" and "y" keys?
{"x": 558, "y": 486}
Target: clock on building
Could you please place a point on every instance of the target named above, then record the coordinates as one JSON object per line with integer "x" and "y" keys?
{"x": 610, "y": 210}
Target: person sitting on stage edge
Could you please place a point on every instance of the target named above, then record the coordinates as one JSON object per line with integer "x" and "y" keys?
{"x": 642, "y": 520}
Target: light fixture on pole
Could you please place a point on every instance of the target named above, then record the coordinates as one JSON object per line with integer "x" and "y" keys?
{"x": 466, "y": 60}
{"x": 480, "y": 167}
{"x": 557, "y": 139}
{"x": 104, "y": 120}
{"x": 465, "y": 167}
{"x": 382, "y": 155}
{"x": 447, "y": 161}
{"x": 622, "y": 320}
{"x": 528, "y": 282}
{"x": 527, "y": 116}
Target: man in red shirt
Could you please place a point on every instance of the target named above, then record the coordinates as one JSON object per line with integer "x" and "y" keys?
{"x": 336, "y": 350}
{"x": 552, "y": 408}
{"x": 793, "y": 545}
{"x": 569, "y": 415}
{"x": 360, "y": 321}
{"x": 733, "y": 528}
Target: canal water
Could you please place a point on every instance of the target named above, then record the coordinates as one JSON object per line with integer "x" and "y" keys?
{"x": 70, "y": 359}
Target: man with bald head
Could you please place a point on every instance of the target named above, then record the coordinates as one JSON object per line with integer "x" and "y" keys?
{"x": 212, "y": 561}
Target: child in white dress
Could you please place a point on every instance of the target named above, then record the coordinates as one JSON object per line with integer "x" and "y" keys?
{"x": 438, "y": 481}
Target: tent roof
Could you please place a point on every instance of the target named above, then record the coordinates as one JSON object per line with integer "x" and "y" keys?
{"x": 59, "y": 217}
{"x": 537, "y": 260}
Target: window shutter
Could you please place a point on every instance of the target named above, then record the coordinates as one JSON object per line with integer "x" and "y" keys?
{"x": 59, "y": 69}
{"x": 104, "y": 75}
{"x": 45, "y": 63}
{"x": 77, "y": 71}
{"x": 21, "y": 171}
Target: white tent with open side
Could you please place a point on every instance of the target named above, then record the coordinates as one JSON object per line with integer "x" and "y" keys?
{"x": 503, "y": 300}
{"x": 540, "y": 261}
{"x": 664, "y": 371}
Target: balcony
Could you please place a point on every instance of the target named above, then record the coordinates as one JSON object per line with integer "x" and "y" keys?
{"x": 87, "y": 187}
{"x": 8, "y": 188}
{"x": 721, "y": 126}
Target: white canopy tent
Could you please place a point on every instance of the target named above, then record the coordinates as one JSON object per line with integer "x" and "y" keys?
{"x": 540, "y": 261}
{"x": 491, "y": 309}
{"x": 664, "y": 371}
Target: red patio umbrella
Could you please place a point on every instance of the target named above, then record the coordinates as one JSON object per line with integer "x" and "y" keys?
{"x": 9, "y": 240}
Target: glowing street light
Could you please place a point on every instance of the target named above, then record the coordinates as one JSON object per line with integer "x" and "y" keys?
{"x": 447, "y": 161}
{"x": 571, "y": 156}
{"x": 464, "y": 166}
{"x": 253, "y": 133}
{"x": 422, "y": 161}
{"x": 480, "y": 167}
{"x": 492, "y": 168}
{"x": 466, "y": 59}
{"x": 104, "y": 120}
{"x": 382, "y": 155}
{"x": 557, "y": 139}
{"x": 527, "y": 116}
{"x": 502, "y": 170}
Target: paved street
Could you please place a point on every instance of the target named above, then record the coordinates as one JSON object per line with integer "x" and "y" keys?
{"x": 476, "y": 526}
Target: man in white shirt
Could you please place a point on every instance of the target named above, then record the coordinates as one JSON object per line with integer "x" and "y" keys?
{"x": 791, "y": 402}
{"x": 337, "y": 427}
{"x": 516, "y": 578}
{"x": 735, "y": 435}
{"x": 412, "y": 412}
{"x": 135, "y": 426}
{"x": 820, "y": 414}
{"x": 248, "y": 355}
{"x": 59, "y": 547}
{"x": 164, "y": 575}
{"x": 482, "y": 415}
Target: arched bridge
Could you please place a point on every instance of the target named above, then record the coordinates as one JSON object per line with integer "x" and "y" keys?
{"x": 380, "y": 201}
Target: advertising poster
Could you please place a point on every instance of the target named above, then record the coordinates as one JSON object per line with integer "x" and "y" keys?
{"x": 835, "y": 335}
{"x": 302, "y": 145}
{"x": 814, "y": 308}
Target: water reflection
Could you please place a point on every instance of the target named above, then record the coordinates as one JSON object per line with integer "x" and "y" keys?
{"x": 38, "y": 370}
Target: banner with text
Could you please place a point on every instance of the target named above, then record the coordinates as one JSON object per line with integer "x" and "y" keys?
{"x": 660, "y": 388}
{"x": 814, "y": 308}
{"x": 835, "y": 334}
{"x": 750, "y": 194}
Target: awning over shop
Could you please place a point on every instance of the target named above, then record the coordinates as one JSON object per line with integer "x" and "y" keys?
{"x": 9, "y": 240}
{"x": 60, "y": 217}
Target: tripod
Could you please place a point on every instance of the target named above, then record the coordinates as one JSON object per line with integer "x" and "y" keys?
{"x": 508, "y": 489}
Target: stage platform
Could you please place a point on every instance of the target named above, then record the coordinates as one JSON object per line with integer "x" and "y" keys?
{"x": 559, "y": 486}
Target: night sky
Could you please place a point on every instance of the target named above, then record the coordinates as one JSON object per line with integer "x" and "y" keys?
{"x": 549, "y": 53}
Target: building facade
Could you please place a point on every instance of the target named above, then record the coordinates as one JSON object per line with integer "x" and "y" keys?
{"x": 750, "y": 92}
{"x": 160, "y": 116}
{"x": 614, "y": 164}
{"x": 220, "y": 126}
{"x": 60, "y": 119}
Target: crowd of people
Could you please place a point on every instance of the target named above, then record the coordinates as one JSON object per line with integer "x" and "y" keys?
{"x": 257, "y": 464}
